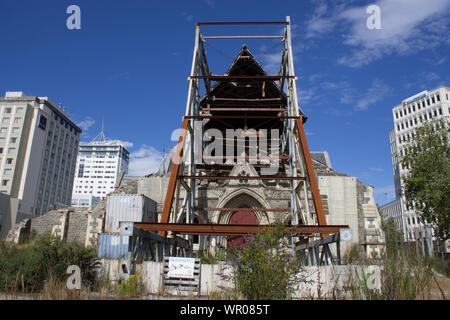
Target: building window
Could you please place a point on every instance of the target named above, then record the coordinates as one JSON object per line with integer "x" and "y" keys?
{"x": 19, "y": 110}
{"x": 5, "y": 182}
{"x": 13, "y": 140}
{"x": 17, "y": 119}
{"x": 5, "y": 120}
{"x": 7, "y": 110}
{"x": 11, "y": 150}
{"x": 7, "y": 171}
{"x": 15, "y": 130}
{"x": 9, "y": 160}
{"x": 3, "y": 130}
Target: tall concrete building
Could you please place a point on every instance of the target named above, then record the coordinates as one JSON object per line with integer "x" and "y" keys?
{"x": 38, "y": 148}
{"x": 99, "y": 164}
{"x": 410, "y": 114}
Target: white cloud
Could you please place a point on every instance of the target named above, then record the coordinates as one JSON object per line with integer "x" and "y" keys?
{"x": 376, "y": 169}
{"x": 126, "y": 144}
{"x": 423, "y": 80}
{"x": 375, "y": 93}
{"x": 144, "y": 161}
{"x": 210, "y": 3}
{"x": 382, "y": 194}
{"x": 407, "y": 26}
{"x": 386, "y": 190}
{"x": 187, "y": 16}
{"x": 86, "y": 124}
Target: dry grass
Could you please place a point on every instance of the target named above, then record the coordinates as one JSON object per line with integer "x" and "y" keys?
{"x": 437, "y": 289}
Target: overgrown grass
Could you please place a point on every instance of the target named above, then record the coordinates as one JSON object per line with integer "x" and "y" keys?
{"x": 214, "y": 257}
{"x": 264, "y": 268}
{"x": 29, "y": 266}
{"x": 441, "y": 265}
{"x": 405, "y": 273}
{"x": 131, "y": 287}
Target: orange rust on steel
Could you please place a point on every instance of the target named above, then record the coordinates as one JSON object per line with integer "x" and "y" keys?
{"x": 240, "y": 177}
{"x": 230, "y": 229}
{"x": 311, "y": 176}
{"x": 244, "y": 209}
{"x": 242, "y": 117}
{"x": 244, "y": 109}
{"x": 173, "y": 176}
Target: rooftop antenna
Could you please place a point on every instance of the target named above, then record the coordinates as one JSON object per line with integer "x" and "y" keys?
{"x": 101, "y": 136}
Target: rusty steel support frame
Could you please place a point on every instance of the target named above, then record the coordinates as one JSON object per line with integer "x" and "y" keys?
{"x": 294, "y": 139}
{"x": 234, "y": 229}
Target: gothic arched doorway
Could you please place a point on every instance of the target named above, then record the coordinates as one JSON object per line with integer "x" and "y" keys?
{"x": 240, "y": 217}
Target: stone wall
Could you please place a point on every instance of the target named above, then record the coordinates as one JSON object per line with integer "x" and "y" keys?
{"x": 323, "y": 281}
{"x": 71, "y": 225}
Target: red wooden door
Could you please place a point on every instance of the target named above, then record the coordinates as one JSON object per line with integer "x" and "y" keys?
{"x": 240, "y": 217}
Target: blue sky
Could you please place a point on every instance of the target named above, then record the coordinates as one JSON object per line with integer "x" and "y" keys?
{"x": 129, "y": 65}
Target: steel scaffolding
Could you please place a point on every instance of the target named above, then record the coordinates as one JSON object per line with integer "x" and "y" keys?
{"x": 295, "y": 154}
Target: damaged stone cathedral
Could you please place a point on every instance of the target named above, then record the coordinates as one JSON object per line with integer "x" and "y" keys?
{"x": 346, "y": 201}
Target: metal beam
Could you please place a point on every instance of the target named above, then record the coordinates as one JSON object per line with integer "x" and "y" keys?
{"x": 242, "y": 37}
{"x": 244, "y": 209}
{"x": 242, "y": 22}
{"x": 173, "y": 175}
{"x": 225, "y": 109}
{"x": 240, "y": 178}
{"x": 216, "y": 77}
{"x": 230, "y": 229}
{"x": 281, "y": 117}
{"x": 320, "y": 214}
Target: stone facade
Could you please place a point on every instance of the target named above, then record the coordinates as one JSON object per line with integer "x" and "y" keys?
{"x": 345, "y": 199}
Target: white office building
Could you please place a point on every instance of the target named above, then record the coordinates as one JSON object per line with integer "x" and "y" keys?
{"x": 38, "y": 148}
{"x": 99, "y": 164}
{"x": 412, "y": 113}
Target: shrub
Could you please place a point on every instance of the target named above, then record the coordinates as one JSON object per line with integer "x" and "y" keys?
{"x": 404, "y": 276}
{"x": 214, "y": 257}
{"x": 265, "y": 267}
{"x": 131, "y": 287}
{"x": 26, "y": 267}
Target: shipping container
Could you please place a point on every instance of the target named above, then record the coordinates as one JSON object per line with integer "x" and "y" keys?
{"x": 113, "y": 246}
{"x": 128, "y": 207}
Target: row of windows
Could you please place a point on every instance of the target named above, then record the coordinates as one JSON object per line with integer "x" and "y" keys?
{"x": 95, "y": 167}
{"x": 6, "y": 119}
{"x": 8, "y": 110}
{"x": 92, "y": 187}
{"x": 64, "y": 123}
{"x": 423, "y": 117}
{"x": 99, "y": 192}
{"x": 10, "y": 150}
{"x": 419, "y": 104}
{"x": 97, "y": 177}
{"x": 92, "y": 181}
{"x": 11, "y": 140}
{"x": 5, "y": 129}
